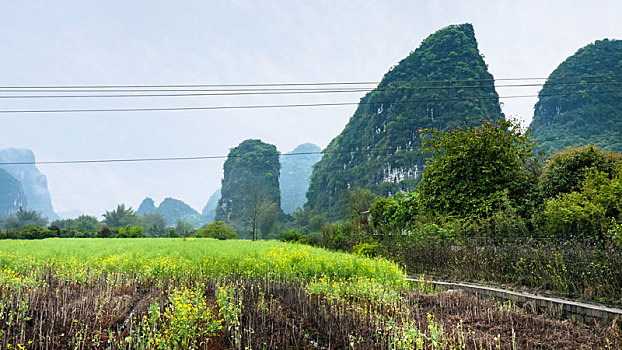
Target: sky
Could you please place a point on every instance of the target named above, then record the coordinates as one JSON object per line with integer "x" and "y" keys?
{"x": 114, "y": 42}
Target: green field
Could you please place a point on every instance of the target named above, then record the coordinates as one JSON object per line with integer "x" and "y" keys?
{"x": 166, "y": 258}
{"x": 211, "y": 294}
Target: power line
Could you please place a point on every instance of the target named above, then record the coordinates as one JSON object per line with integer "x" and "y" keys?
{"x": 154, "y": 159}
{"x": 130, "y": 160}
{"x": 199, "y": 93}
{"x": 293, "y": 84}
{"x": 327, "y": 104}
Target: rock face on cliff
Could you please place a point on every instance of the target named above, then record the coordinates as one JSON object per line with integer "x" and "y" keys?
{"x": 296, "y": 168}
{"x": 443, "y": 83}
{"x": 11, "y": 194}
{"x": 34, "y": 183}
{"x": 581, "y": 102}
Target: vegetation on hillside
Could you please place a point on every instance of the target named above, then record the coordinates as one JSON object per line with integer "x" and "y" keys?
{"x": 250, "y": 196}
{"x": 379, "y": 149}
{"x": 487, "y": 209}
{"x": 582, "y": 101}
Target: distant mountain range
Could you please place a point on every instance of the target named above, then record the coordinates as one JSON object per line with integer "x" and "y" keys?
{"x": 171, "y": 209}
{"x": 11, "y": 194}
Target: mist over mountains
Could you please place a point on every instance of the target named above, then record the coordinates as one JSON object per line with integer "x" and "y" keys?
{"x": 36, "y": 195}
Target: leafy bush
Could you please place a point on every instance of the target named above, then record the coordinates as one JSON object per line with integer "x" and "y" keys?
{"x": 369, "y": 250}
{"x": 105, "y": 232}
{"x": 393, "y": 215}
{"x": 473, "y": 168}
{"x": 219, "y": 230}
{"x": 131, "y": 232}
{"x": 343, "y": 235}
{"x": 588, "y": 212}
{"x": 290, "y": 236}
{"x": 316, "y": 239}
{"x": 566, "y": 171}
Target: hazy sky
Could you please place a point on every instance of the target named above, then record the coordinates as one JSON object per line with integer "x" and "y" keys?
{"x": 236, "y": 42}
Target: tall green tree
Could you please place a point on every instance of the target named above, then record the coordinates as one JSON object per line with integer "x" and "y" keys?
{"x": 474, "y": 168}
{"x": 121, "y": 217}
{"x": 219, "y": 230}
{"x": 25, "y": 218}
{"x": 154, "y": 224}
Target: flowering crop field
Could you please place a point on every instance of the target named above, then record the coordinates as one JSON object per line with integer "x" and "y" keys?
{"x": 210, "y": 294}
{"x": 23, "y": 262}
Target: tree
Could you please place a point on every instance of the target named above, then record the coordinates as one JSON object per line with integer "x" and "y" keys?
{"x": 259, "y": 211}
{"x": 357, "y": 202}
{"x": 183, "y": 228}
{"x": 565, "y": 171}
{"x": 588, "y": 212}
{"x": 83, "y": 223}
{"x": 219, "y": 230}
{"x": 131, "y": 231}
{"x": 105, "y": 232}
{"x": 154, "y": 224}
{"x": 474, "y": 168}
{"x": 120, "y": 217}
{"x": 25, "y": 218}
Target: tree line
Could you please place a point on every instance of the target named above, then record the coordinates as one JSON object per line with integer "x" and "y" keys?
{"x": 122, "y": 222}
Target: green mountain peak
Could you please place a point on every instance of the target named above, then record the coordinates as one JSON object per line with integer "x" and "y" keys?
{"x": 443, "y": 83}
{"x": 581, "y": 102}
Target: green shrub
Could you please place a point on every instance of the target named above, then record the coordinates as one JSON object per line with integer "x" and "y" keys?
{"x": 473, "y": 167}
{"x": 315, "y": 239}
{"x": 565, "y": 171}
{"x": 343, "y": 235}
{"x": 105, "y": 232}
{"x": 35, "y": 232}
{"x": 131, "y": 232}
{"x": 369, "y": 250}
{"x": 290, "y": 236}
{"x": 219, "y": 230}
{"x": 588, "y": 212}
